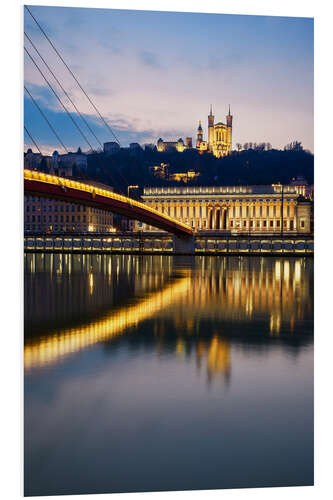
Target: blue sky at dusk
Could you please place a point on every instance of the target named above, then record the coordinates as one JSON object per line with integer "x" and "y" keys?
{"x": 155, "y": 74}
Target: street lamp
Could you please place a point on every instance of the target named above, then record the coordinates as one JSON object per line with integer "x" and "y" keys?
{"x": 129, "y": 188}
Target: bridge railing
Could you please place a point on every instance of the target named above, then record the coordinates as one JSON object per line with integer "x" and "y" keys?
{"x": 35, "y": 175}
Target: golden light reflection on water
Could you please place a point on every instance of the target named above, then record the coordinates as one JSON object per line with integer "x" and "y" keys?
{"x": 278, "y": 292}
{"x": 57, "y": 345}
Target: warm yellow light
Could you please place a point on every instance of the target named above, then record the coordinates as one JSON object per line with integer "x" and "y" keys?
{"x": 57, "y": 345}
{"x": 52, "y": 179}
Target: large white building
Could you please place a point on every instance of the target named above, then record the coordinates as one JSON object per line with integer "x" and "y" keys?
{"x": 242, "y": 209}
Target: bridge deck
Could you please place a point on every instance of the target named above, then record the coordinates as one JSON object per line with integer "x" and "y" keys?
{"x": 69, "y": 190}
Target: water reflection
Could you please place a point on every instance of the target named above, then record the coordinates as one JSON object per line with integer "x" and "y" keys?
{"x": 75, "y": 301}
{"x": 178, "y": 364}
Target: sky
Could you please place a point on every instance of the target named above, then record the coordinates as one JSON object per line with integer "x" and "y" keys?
{"x": 155, "y": 74}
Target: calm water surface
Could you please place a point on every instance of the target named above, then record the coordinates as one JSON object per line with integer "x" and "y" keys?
{"x": 167, "y": 373}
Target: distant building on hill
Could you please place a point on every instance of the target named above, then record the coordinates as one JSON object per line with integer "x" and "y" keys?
{"x": 63, "y": 165}
{"x": 111, "y": 148}
{"x": 219, "y": 141}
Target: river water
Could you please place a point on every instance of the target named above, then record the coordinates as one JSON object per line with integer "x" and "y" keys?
{"x": 147, "y": 373}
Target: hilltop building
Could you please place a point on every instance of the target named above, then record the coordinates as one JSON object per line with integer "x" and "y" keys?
{"x": 163, "y": 146}
{"x": 219, "y": 136}
{"x": 111, "y": 148}
{"x": 219, "y": 141}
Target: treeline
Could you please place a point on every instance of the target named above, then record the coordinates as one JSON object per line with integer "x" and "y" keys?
{"x": 256, "y": 165}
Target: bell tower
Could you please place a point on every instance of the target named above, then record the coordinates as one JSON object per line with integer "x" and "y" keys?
{"x": 210, "y": 129}
{"x": 229, "y": 119}
{"x": 199, "y": 135}
{"x": 229, "y": 131}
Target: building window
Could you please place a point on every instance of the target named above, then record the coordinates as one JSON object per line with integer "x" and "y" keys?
{"x": 265, "y": 223}
{"x": 278, "y": 223}
{"x": 302, "y": 223}
{"x": 271, "y": 223}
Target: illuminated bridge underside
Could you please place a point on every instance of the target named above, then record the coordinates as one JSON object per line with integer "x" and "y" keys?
{"x": 51, "y": 186}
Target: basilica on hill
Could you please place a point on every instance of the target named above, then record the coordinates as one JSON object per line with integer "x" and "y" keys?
{"x": 219, "y": 140}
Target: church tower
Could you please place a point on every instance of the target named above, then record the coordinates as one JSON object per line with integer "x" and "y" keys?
{"x": 229, "y": 130}
{"x": 210, "y": 130}
{"x": 199, "y": 135}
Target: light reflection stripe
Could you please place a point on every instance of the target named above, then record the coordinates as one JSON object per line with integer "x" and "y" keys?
{"x": 56, "y": 345}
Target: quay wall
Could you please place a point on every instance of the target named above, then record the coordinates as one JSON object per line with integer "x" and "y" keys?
{"x": 162, "y": 243}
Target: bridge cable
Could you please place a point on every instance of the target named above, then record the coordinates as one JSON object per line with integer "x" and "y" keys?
{"x": 68, "y": 113}
{"x": 71, "y": 72}
{"x": 46, "y": 119}
{"x": 58, "y": 98}
{"x": 77, "y": 81}
{"x": 33, "y": 140}
{"x": 62, "y": 88}
{"x": 75, "y": 107}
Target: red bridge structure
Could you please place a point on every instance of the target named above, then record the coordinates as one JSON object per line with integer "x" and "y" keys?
{"x": 51, "y": 186}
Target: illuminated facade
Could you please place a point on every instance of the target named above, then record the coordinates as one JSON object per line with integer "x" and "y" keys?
{"x": 219, "y": 141}
{"x": 219, "y": 136}
{"x": 43, "y": 215}
{"x": 184, "y": 176}
{"x": 163, "y": 146}
{"x": 237, "y": 209}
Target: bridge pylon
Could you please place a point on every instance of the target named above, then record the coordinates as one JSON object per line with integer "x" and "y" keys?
{"x": 183, "y": 245}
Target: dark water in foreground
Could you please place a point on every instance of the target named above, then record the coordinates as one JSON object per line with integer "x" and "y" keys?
{"x": 166, "y": 373}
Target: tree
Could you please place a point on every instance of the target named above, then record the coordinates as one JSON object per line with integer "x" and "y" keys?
{"x": 294, "y": 146}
